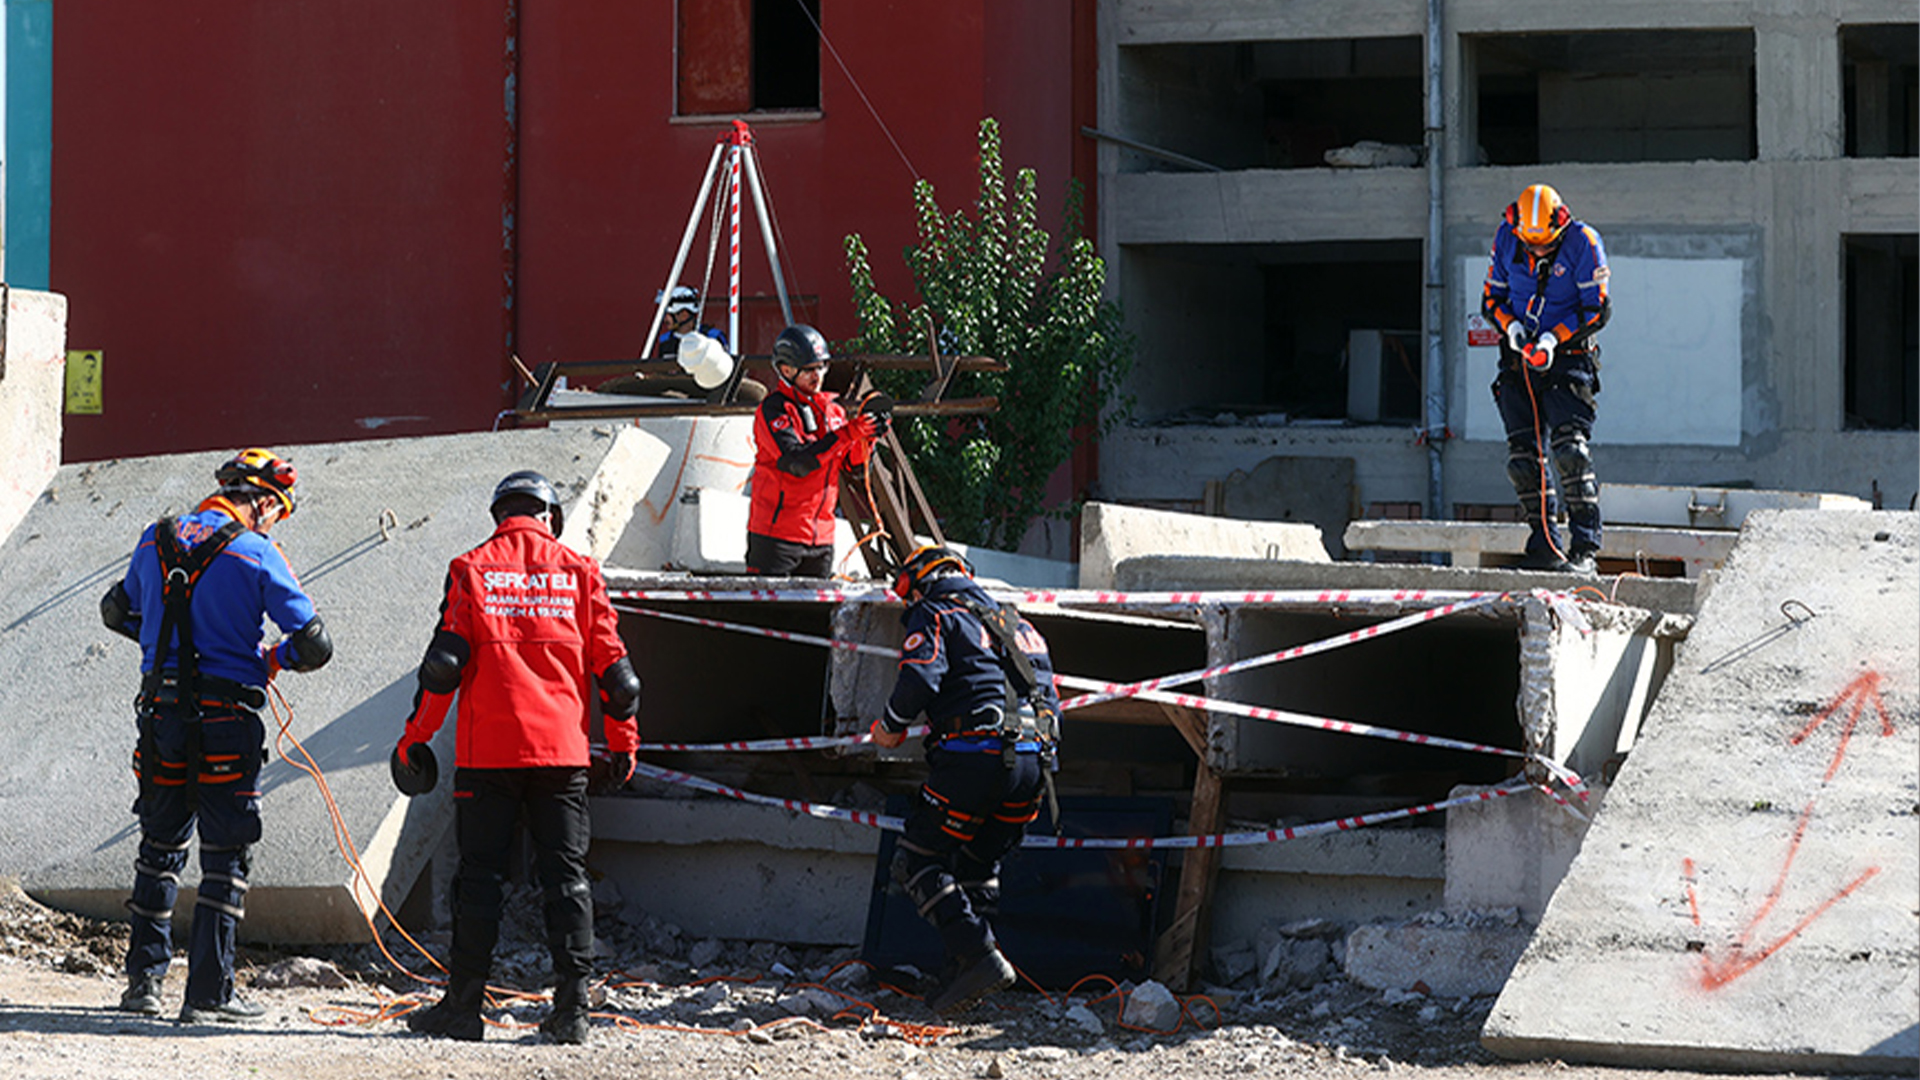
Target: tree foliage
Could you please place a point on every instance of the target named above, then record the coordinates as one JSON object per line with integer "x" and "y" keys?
{"x": 985, "y": 282}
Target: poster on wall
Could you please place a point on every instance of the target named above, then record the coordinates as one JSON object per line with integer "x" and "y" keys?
{"x": 83, "y": 381}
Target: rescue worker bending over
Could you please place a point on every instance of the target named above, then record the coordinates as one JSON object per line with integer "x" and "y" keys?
{"x": 1546, "y": 290}
{"x": 524, "y": 624}
{"x": 802, "y": 440}
{"x": 982, "y": 676}
{"x": 194, "y": 597}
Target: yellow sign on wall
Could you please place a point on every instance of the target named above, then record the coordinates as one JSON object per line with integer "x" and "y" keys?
{"x": 83, "y": 381}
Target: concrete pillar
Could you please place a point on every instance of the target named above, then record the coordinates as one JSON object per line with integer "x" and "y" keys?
{"x": 1797, "y": 86}
{"x": 33, "y": 364}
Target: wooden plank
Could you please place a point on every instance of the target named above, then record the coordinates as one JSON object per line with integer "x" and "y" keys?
{"x": 657, "y": 407}
{"x": 1182, "y": 949}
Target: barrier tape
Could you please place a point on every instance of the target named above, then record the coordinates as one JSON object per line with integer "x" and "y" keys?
{"x": 1215, "y": 840}
{"x": 1086, "y": 597}
{"x": 1119, "y": 690}
{"x": 1193, "y": 701}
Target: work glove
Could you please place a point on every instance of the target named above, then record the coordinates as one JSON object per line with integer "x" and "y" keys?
{"x": 885, "y": 737}
{"x": 270, "y": 656}
{"x": 606, "y": 775}
{"x": 862, "y": 427}
{"x": 1540, "y": 355}
{"x": 414, "y": 768}
{"x": 1517, "y": 336}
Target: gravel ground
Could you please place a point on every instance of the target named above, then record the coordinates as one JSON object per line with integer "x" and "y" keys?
{"x": 756, "y": 1011}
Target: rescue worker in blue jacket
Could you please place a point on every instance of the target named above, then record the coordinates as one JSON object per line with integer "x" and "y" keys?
{"x": 1546, "y": 290}
{"x": 982, "y": 676}
{"x": 194, "y": 597}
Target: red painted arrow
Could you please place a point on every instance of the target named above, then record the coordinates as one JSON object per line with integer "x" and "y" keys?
{"x": 1741, "y": 956}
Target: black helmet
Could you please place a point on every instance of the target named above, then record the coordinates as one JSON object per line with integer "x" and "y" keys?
{"x": 924, "y": 564}
{"x": 523, "y": 487}
{"x": 800, "y": 346}
{"x": 262, "y": 469}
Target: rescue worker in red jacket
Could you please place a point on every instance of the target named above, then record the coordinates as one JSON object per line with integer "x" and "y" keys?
{"x": 1546, "y": 289}
{"x": 802, "y": 441}
{"x": 525, "y": 623}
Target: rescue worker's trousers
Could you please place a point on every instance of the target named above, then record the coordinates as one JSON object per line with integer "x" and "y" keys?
{"x": 489, "y": 805}
{"x": 970, "y": 813}
{"x": 202, "y": 772}
{"x": 1555, "y": 421}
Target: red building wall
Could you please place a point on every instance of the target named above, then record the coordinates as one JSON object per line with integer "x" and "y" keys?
{"x": 285, "y": 222}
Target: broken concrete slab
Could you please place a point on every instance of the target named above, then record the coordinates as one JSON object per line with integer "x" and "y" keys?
{"x": 1745, "y": 899}
{"x": 33, "y": 364}
{"x": 1449, "y": 955}
{"x": 378, "y": 522}
{"x": 1111, "y": 534}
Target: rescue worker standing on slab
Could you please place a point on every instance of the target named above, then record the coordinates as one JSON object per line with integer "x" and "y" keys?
{"x": 1546, "y": 291}
{"x": 983, "y": 677}
{"x": 802, "y": 441}
{"x": 195, "y": 596}
{"x": 525, "y": 623}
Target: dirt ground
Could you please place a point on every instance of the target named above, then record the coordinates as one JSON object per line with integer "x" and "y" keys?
{"x": 753, "y": 1011}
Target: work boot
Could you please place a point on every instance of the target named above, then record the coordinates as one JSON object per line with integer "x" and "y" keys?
{"x": 230, "y": 1011}
{"x": 1547, "y": 560}
{"x": 143, "y": 994}
{"x": 988, "y": 973}
{"x": 456, "y": 1015}
{"x": 1582, "y": 561}
{"x": 568, "y": 1022}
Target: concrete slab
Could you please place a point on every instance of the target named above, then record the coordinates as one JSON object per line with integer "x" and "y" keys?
{"x": 1501, "y": 543}
{"x": 1111, "y": 534}
{"x": 33, "y": 364}
{"x": 1746, "y": 898}
{"x": 378, "y": 522}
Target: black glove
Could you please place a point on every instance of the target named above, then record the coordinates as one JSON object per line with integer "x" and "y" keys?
{"x": 606, "y": 775}
{"x": 416, "y": 773}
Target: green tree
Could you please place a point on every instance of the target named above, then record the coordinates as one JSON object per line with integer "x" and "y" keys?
{"x": 985, "y": 282}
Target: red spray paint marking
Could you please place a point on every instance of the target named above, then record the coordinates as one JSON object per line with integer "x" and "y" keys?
{"x": 1742, "y": 956}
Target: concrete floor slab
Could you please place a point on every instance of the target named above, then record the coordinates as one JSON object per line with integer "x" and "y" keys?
{"x": 377, "y": 524}
{"x": 1748, "y": 898}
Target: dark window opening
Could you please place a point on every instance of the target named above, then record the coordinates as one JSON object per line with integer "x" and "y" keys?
{"x": 1883, "y": 332}
{"x": 1274, "y": 104}
{"x": 1343, "y": 333}
{"x": 1880, "y": 71}
{"x": 1616, "y": 96}
{"x": 786, "y": 54}
{"x": 740, "y": 56}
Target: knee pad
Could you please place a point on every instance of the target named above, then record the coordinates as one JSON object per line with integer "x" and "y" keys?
{"x": 1575, "y": 462}
{"x": 1523, "y": 470}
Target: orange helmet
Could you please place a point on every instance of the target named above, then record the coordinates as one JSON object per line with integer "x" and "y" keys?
{"x": 262, "y": 469}
{"x": 1538, "y": 216}
{"x": 927, "y": 561}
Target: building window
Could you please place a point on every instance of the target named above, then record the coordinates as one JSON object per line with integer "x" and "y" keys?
{"x": 1617, "y": 96}
{"x": 1880, "y": 71}
{"x": 1883, "y": 332}
{"x": 743, "y": 56}
{"x": 1343, "y": 333}
{"x": 1274, "y": 104}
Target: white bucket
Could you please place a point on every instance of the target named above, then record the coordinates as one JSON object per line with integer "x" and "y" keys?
{"x": 705, "y": 359}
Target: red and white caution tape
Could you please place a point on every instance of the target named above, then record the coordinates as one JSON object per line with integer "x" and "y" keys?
{"x": 1237, "y": 839}
{"x": 1081, "y": 597}
{"x": 1119, "y": 690}
{"x": 1194, "y": 701}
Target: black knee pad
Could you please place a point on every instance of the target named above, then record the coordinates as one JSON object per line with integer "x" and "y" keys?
{"x": 1523, "y": 469}
{"x": 1575, "y": 462}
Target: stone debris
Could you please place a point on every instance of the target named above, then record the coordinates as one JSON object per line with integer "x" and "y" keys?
{"x": 1152, "y": 1006}
{"x": 300, "y": 971}
{"x": 1085, "y": 1019}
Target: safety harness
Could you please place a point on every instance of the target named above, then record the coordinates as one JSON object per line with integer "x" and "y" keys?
{"x": 1028, "y": 718}
{"x": 180, "y": 686}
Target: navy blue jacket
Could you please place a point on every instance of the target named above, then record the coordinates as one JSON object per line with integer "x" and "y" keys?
{"x": 948, "y": 668}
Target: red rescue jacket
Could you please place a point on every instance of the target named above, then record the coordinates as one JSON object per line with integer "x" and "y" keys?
{"x": 801, "y": 443}
{"x": 539, "y": 625}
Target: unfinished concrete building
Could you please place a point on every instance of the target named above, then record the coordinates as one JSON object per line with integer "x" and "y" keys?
{"x": 1297, "y": 202}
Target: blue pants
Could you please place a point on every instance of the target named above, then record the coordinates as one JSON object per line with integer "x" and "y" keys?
{"x": 215, "y": 786}
{"x": 971, "y": 812}
{"x": 1555, "y": 419}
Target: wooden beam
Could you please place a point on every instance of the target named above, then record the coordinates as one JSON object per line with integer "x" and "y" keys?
{"x": 1182, "y": 949}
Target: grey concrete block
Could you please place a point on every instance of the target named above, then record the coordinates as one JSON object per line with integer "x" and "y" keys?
{"x": 1452, "y": 959}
